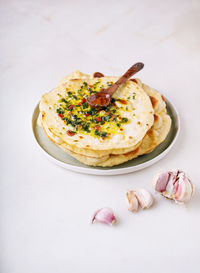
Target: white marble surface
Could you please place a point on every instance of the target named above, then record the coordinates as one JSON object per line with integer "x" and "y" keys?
{"x": 45, "y": 211}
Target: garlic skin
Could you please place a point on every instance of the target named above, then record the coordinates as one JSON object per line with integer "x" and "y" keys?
{"x": 174, "y": 184}
{"x": 132, "y": 201}
{"x": 105, "y": 216}
{"x": 140, "y": 197}
{"x": 145, "y": 198}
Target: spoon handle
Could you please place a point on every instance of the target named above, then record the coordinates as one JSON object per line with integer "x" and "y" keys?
{"x": 130, "y": 72}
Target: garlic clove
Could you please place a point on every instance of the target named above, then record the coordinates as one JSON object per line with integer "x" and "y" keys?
{"x": 177, "y": 186}
{"x": 105, "y": 216}
{"x": 139, "y": 197}
{"x": 160, "y": 181}
{"x": 145, "y": 198}
{"x": 132, "y": 201}
{"x": 171, "y": 188}
{"x": 184, "y": 189}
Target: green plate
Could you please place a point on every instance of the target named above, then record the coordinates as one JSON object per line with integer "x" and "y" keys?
{"x": 58, "y": 156}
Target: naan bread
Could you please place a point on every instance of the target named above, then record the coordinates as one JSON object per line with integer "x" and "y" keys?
{"x": 139, "y": 115}
{"x": 82, "y": 151}
{"x": 152, "y": 139}
{"x": 109, "y": 154}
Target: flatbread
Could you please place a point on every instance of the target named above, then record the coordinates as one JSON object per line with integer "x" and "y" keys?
{"x": 156, "y": 135}
{"x": 139, "y": 115}
{"x": 82, "y": 151}
{"x": 153, "y": 138}
{"x": 107, "y": 153}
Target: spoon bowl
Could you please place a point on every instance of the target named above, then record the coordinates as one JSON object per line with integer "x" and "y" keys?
{"x": 100, "y": 99}
{"x": 103, "y": 97}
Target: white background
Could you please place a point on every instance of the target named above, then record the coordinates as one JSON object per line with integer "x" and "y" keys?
{"x": 45, "y": 211}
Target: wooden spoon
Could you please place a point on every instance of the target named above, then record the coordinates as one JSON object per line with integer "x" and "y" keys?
{"x": 103, "y": 97}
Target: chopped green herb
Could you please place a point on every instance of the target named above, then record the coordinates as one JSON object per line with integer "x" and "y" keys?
{"x": 105, "y": 118}
{"x": 86, "y": 127}
{"x": 92, "y": 112}
{"x": 74, "y": 97}
{"x": 64, "y": 100}
{"x": 85, "y": 105}
{"x": 67, "y": 120}
{"x": 124, "y": 120}
{"x": 60, "y": 111}
{"x": 97, "y": 133}
{"x": 104, "y": 134}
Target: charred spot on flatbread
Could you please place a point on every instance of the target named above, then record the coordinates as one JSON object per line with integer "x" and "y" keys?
{"x": 163, "y": 98}
{"x": 155, "y": 117}
{"x": 98, "y": 75}
{"x": 133, "y": 80}
{"x": 153, "y": 101}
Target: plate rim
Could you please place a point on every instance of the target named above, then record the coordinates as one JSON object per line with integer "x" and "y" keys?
{"x": 105, "y": 172}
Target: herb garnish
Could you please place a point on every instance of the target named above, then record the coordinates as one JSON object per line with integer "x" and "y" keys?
{"x": 75, "y": 111}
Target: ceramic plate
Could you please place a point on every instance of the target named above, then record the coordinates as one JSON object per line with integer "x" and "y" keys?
{"x": 59, "y": 157}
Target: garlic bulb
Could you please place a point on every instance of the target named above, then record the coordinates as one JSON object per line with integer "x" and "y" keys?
{"x": 140, "y": 197}
{"x": 104, "y": 215}
{"x": 174, "y": 185}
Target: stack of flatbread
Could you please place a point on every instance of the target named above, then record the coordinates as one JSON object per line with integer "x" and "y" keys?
{"x": 135, "y": 122}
